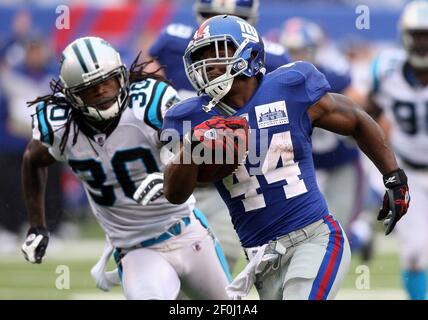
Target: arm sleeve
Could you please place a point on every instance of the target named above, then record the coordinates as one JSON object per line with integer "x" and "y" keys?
{"x": 162, "y": 98}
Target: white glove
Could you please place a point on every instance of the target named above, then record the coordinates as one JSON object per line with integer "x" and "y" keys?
{"x": 34, "y": 246}
{"x": 150, "y": 189}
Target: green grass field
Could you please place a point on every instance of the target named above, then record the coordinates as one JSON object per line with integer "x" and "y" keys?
{"x": 22, "y": 280}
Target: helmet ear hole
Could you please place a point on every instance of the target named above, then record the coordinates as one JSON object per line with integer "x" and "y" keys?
{"x": 240, "y": 65}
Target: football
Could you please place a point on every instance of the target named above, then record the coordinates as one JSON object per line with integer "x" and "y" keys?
{"x": 224, "y": 145}
{"x": 209, "y": 173}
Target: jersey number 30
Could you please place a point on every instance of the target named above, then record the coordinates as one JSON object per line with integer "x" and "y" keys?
{"x": 104, "y": 194}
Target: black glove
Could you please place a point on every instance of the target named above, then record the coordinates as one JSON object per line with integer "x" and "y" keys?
{"x": 396, "y": 200}
{"x": 35, "y": 244}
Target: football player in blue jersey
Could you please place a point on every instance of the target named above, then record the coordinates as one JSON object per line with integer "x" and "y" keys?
{"x": 336, "y": 158}
{"x": 295, "y": 248}
{"x": 168, "y": 50}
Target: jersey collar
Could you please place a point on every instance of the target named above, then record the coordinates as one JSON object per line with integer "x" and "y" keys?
{"x": 93, "y": 132}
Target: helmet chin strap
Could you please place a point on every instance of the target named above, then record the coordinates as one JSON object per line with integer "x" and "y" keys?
{"x": 217, "y": 92}
{"x": 111, "y": 112}
{"x": 418, "y": 61}
{"x": 102, "y": 115}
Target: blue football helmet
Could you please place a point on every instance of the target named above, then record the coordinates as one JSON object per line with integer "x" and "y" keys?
{"x": 245, "y": 9}
{"x": 301, "y": 38}
{"x": 220, "y": 34}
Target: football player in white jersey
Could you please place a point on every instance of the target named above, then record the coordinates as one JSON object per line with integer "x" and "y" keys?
{"x": 103, "y": 121}
{"x": 400, "y": 94}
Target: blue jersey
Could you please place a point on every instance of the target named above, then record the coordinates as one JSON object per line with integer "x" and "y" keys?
{"x": 171, "y": 44}
{"x": 277, "y": 194}
{"x": 331, "y": 150}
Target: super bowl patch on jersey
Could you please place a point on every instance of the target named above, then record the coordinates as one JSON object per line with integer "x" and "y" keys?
{"x": 271, "y": 114}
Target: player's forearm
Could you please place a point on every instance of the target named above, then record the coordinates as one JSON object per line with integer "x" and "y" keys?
{"x": 34, "y": 185}
{"x": 179, "y": 180}
{"x": 372, "y": 141}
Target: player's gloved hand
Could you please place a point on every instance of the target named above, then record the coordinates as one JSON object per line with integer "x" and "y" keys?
{"x": 396, "y": 200}
{"x": 228, "y": 133}
{"x": 35, "y": 244}
{"x": 150, "y": 189}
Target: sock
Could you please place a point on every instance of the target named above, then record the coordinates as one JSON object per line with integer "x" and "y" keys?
{"x": 415, "y": 283}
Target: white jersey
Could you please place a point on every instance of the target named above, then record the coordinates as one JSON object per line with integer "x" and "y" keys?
{"x": 405, "y": 106}
{"x": 112, "y": 166}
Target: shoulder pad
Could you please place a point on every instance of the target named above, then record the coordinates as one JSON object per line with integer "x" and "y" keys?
{"x": 149, "y": 100}
{"x": 186, "y": 107}
{"x": 385, "y": 64}
{"x": 48, "y": 120}
{"x": 307, "y": 84}
{"x": 295, "y": 73}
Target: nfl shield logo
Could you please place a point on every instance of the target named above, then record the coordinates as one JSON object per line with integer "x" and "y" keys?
{"x": 100, "y": 138}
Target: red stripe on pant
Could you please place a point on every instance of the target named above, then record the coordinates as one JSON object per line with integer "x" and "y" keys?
{"x": 336, "y": 247}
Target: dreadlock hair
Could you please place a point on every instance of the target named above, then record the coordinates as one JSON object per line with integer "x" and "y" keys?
{"x": 136, "y": 74}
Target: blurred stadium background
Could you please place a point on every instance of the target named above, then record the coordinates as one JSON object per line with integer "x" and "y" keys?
{"x": 30, "y": 45}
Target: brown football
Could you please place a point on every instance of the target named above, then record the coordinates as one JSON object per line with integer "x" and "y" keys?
{"x": 224, "y": 142}
{"x": 215, "y": 172}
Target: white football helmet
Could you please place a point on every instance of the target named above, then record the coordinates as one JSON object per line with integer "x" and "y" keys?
{"x": 414, "y": 21}
{"x": 86, "y": 62}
